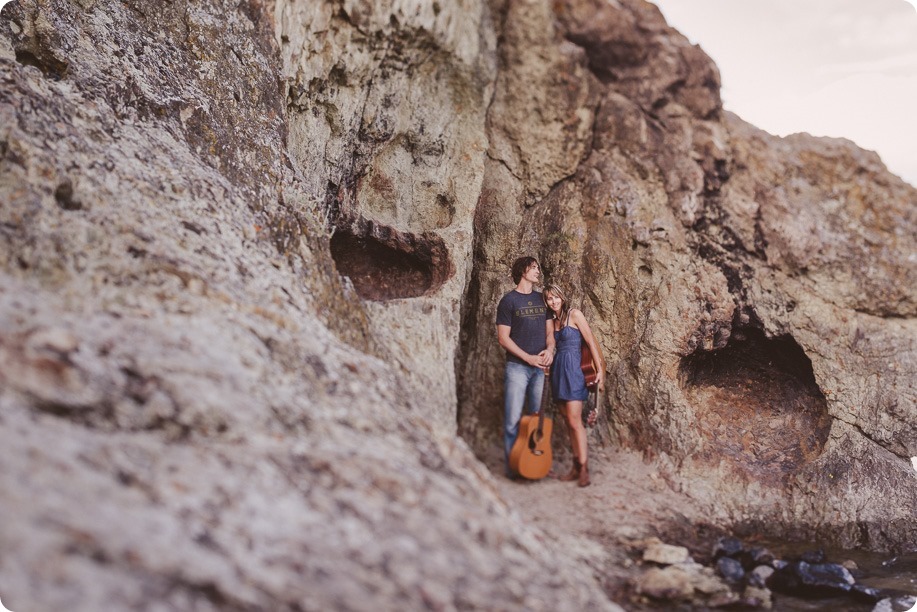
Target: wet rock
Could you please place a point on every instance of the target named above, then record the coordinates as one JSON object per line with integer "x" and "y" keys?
{"x": 815, "y": 580}
{"x": 867, "y": 594}
{"x": 755, "y": 557}
{"x": 832, "y": 571}
{"x": 854, "y": 569}
{"x": 758, "y": 576}
{"x": 727, "y": 547}
{"x": 896, "y": 604}
{"x": 813, "y": 556}
{"x": 730, "y": 569}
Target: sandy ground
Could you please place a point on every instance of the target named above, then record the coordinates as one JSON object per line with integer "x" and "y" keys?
{"x": 606, "y": 523}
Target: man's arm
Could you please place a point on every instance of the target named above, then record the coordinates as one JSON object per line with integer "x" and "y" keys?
{"x": 507, "y": 343}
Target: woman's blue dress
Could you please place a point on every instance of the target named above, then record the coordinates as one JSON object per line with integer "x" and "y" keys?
{"x": 567, "y": 379}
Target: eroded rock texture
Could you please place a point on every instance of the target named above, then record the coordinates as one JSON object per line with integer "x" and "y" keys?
{"x": 199, "y": 411}
{"x": 190, "y": 410}
{"x": 755, "y": 295}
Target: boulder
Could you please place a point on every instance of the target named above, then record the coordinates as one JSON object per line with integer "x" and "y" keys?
{"x": 727, "y": 547}
{"x": 690, "y": 582}
{"x": 666, "y": 554}
{"x": 759, "y": 575}
{"x": 811, "y": 580}
{"x": 896, "y": 604}
{"x": 730, "y": 569}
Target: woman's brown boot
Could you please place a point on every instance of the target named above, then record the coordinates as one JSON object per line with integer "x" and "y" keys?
{"x": 574, "y": 472}
{"x": 584, "y": 475}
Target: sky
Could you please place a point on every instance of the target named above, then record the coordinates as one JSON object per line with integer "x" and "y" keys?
{"x": 845, "y": 68}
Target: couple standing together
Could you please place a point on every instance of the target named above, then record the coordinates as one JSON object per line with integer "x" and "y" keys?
{"x": 541, "y": 332}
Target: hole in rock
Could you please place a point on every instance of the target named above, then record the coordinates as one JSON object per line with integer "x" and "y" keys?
{"x": 64, "y": 196}
{"x": 385, "y": 264}
{"x": 757, "y": 405}
{"x": 50, "y": 66}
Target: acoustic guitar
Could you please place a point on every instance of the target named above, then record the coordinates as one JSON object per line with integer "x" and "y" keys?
{"x": 588, "y": 367}
{"x": 531, "y": 455}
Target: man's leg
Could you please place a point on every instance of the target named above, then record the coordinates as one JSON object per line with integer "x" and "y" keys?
{"x": 534, "y": 389}
{"x": 515, "y": 382}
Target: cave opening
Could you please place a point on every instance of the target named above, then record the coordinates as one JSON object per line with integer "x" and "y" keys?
{"x": 385, "y": 264}
{"x": 757, "y": 405}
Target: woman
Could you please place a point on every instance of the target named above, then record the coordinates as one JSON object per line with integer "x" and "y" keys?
{"x": 568, "y": 384}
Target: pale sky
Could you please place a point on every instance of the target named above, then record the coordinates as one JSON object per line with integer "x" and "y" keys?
{"x": 827, "y": 67}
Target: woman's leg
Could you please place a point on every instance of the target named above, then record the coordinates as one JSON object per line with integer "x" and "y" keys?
{"x": 578, "y": 439}
{"x": 574, "y": 414}
{"x": 573, "y": 474}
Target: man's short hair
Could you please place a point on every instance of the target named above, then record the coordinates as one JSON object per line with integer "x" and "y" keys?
{"x": 520, "y": 266}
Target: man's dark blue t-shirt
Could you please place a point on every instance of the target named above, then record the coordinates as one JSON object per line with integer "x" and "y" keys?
{"x": 525, "y": 314}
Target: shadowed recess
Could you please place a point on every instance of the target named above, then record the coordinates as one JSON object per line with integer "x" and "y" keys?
{"x": 385, "y": 264}
{"x": 757, "y": 404}
{"x": 49, "y": 65}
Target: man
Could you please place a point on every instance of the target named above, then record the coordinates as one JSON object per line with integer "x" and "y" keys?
{"x": 522, "y": 332}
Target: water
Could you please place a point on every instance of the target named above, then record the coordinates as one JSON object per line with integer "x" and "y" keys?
{"x": 898, "y": 574}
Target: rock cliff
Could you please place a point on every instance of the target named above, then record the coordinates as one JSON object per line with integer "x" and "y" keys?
{"x": 755, "y": 295}
{"x": 250, "y": 257}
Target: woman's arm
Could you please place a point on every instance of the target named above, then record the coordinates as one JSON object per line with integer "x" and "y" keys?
{"x": 549, "y": 338}
{"x": 579, "y": 319}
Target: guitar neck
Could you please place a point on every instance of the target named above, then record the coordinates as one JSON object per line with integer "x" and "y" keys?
{"x": 545, "y": 398}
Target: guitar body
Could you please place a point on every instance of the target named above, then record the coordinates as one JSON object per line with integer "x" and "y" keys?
{"x": 531, "y": 455}
{"x": 588, "y": 368}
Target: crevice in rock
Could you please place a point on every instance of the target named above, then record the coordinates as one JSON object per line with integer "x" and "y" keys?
{"x": 757, "y": 405}
{"x": 505, "y": 165}
{"x": 385, "y": 264}
{"x": 880, "y": 444}
{"x": 49, "y": 65}
{"x": 604, "y": 56}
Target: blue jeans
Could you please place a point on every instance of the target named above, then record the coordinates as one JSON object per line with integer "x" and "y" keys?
{"x": 521, "y": 383}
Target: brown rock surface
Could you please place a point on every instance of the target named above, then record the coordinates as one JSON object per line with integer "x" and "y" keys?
{"x": 199, "y": 412}
{"x": 192, "y": 415}
{"x": 754, "y": 295}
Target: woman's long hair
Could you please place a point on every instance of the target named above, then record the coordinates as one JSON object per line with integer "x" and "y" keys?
{"x": 564, "y": 304}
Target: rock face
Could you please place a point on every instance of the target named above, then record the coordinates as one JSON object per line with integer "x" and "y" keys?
{"x": 386, "y": 115}
{"x": 754, "y": 295}
{"x": 199, "y": 411}
{"x": 196, "y": 412}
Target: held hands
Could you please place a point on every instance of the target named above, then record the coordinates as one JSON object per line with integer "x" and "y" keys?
{"x": 546, "y": 358}
{"x": 534, "y": 360}
{"x": 541, "y": 360}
